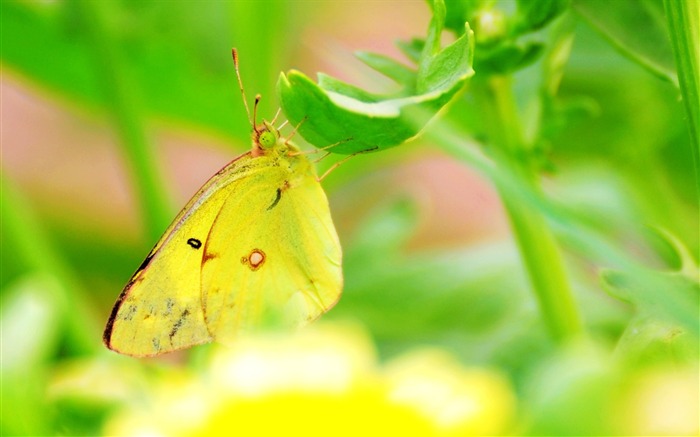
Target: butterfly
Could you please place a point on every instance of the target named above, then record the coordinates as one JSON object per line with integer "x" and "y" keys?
{"x": 256, "y": 244}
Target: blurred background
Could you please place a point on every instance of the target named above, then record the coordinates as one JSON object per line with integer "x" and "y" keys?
{"x": 438, "y": 331}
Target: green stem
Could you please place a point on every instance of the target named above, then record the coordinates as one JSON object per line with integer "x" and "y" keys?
{"x": 32, "y": 248}
{"x": 127, "y": 116}
{"x": 684, "y": 26}
{"x": 545, "y": 268}
{"x": 537, "y": 245}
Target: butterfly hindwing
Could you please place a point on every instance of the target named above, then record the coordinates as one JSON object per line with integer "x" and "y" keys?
{"x": 272, "y": 255}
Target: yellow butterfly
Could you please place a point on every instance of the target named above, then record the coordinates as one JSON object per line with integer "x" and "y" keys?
{"x": 255, "y": 243}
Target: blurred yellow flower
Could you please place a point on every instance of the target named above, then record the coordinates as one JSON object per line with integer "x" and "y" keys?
{"x": 456, "y": 400}
{"x": 661, "y": 401}
{"x": 324, "y": 380}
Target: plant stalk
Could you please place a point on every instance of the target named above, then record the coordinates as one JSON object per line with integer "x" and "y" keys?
{"x": 125, "y": 110}
{"x": 537, "y": 245}
{"x": 684, "y": 27}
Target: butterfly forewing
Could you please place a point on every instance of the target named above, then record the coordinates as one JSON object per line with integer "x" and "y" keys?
{"x": 160, "y": 309}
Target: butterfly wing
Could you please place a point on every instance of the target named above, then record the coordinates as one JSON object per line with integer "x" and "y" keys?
{"x": 272, "y": 255}
{"x": 160, "y": 309}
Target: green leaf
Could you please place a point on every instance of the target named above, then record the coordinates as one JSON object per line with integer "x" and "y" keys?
{"x": 448, "y": 68}
{"x": 636, "y": 28}
{"x": 535, "y": 14}
{"x": 411, "y": 48}
{"x": 648, "y": 340}
{"x": 51, "y": 33}
{"x": 507, "y": 57}
{"x": 461, "y": 11}
{"x": 388, "y": 67}
{"x": 666, "y": 310}
{"x": 35, "y": 251}
{"x": 452, "y": 293}
{"x": 670, "y": 297}
{"x": 570, "y": 392}
{"x": 334, "y": 112}
{"x": 29, "y": 306}
{"x": 30, "y": 322}
{"x": 684, "y": 24}
{"x": 178, "y": 54}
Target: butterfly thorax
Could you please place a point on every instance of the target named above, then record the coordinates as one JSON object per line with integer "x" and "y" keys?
{"x": 268, "y": 143}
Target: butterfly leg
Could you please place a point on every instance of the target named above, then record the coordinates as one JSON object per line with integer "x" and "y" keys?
{"x": 294, "y": 132}
{"x": 342, "y": 161}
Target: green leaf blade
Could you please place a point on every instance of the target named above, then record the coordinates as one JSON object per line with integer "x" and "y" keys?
{"x": 390, "y": 68}
{"x": 535, "y": 14}
{"x": 332, "y": 112}
{"x": 636, "y": 28}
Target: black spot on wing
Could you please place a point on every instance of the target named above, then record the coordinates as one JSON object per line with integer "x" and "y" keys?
{"x": 194, "y": 243}
{"x": 277, "y": 199}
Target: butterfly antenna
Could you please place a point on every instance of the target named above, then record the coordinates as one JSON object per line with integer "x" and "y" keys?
{"x": 255, "y": 111}
{"x": 234, "y": 54}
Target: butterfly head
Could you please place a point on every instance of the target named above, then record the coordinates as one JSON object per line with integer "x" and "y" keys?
{"x": 266, "y": 135}
{"x": 266, "y": 138}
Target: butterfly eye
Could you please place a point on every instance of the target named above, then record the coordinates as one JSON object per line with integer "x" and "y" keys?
{"x": 267, "y": 139}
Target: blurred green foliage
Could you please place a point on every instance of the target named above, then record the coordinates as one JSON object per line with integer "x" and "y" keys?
{"x": 574, "y": 112}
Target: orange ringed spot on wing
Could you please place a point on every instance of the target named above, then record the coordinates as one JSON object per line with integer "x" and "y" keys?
{"x": 255, "y": 259}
